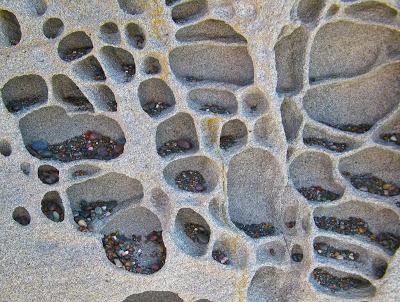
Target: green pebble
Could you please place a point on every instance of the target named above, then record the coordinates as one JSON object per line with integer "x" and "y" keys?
{"x": 55, "y": 216}
{"x": 98, "y": 211}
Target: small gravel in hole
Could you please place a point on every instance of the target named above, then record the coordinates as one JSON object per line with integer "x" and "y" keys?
{"x": 220, "y": 257}
{"x": 136, "y": 254}
{"x": 326, "y": 250}
{"x": 357, "y": 226}
{"x": 76, "y": 53}
{"x": 391, "y": 138}
{"x": 90, "y": 145}
{"x": 197, "y": 233}
{"x": 88, "y": 213}
{"x": 332, "y": 146}
{"x": 81, "y": 103}
{"x": 372, "y": 184}
{"x": 191, "y": 181}
{"x": 20, "y": 104}
{"x": 53, "y": 211}
{"x": 317, "y": 193}
{"x": 256, "y": 230}
{"x": 129, "y": 71}
{"x": 290, "y": 224}
{"x": 362, "y": 128}
{"x": 214, "y": 109}
{"x": 155, "y": 108}
{"x": 175, "y": 146}
{"x": 335, "y": 283}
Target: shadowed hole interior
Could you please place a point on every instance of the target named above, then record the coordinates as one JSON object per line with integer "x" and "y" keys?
{"x": 69, "y": 94}
{"x": 23, "y": 92}
{"x": 109, "y": 33}
{"x": 104, "y": 98}
{"x": 48, "y": 174}
{"x": 89, "y": 69}
{"x": 176, "y": 135}
{"x": 119, "y": 64}
{"x": 154, "y": 296}
{"x": 233, "y": 135}
{"x": 230, "y": 252}
{"x": 209, "y": 100}
{"x": 189, "y": 10}
{"x": 132, "y": 7}
{"x": 151, "y": 65}
{"x": 372, "y": 11}
{"x": 255, "y": 103}
{"x": 40, "y": 6}
{"x": 22, "y": 216}
{"x": 135, "y": 36}
{"x": 192, "y": 232}
{"x": 10, "y": 30}
{"x": 309, "y": 10}
{"x": 53, "y": 27}
{"x": 155, "y": 97}
{"x": 74, "y": 46}
{"x": 292, "y": 119}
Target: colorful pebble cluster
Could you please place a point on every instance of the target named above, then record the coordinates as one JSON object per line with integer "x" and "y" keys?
{"x": 256, "y": 230}
{"x": 136, "y": 254}
{"x": 372, "y": 184}
{"x": 90, "y": 145}
{"x": 332, "y": 146}
{"x": 317, "y": 193}
{"x": 357, "y": 226}
{"x": 191, "y": 181}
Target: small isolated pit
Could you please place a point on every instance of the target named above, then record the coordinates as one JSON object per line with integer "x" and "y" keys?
{"x": 255, "y": 103}
{"x": 308, "y": 11}
{"x": 23, "y": 92}
{"x": 272, "y": 252}
{"x": 52, "y": 206}
{"x": 312, "y": 176}
{"x": 53, "y": 27}
{"x": 119, "y": 63}
{"x": 135, "y": 36}
{"x": 5, "y": 148}
{"x": 133, "y": 241}
{"x": 297, "y": 253}
{"x": 74, "y": 46}
{"x": 40, "y": 6}
{"x": 109, "y": 33}
{"x": 69, "y": 94}
{"x": 233, "y": 135}
{"x": 196, "y": 174}
{"x": 48, "y": 175}
{"x": 155, "y": 97}
{"x": 22, "y": 216}
{"x": 192, "y": 232}
{"x": 212, "y": 101}
{"x": 176, "y": 135}
{"x": 9, "y": 28}
{"x": 26, "y": 168}
{"x": 151, "y": 65}
{"x": 95, "y": 200}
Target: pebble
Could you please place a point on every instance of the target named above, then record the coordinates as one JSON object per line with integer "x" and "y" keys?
{"x": 332, "y": 146}
{"x": 48, "y": 175}
{"x": 40, "y": 145}
{"x": 82, "y": 223}
{"x": 372, "y": 184}
{"x": 191, "y": 181}
{"x": 175, "y": 146}
{"x": 98, "y": 211}
{"x": 317, "y": 193}
{"x": 118, "y": 263}
{"x": 220, "y": 257}
{"x": 297, "y": 257}
{"x": 90, "y": 212}
{"x": 256, "y": 230}
{"x": 55, "y": 216}
{"x": 197, "y": 233}
{"x": 391, "y": 138}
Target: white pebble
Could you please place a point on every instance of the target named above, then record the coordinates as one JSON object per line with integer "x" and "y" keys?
{"x": 118, "y": 263}
{"x": 393, "y": 138}
{"x": 82, "y": 223}
{"x": 104, "y": 208}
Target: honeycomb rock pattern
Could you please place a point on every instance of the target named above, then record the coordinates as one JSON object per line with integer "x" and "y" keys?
{"x": 199, "y": 150}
